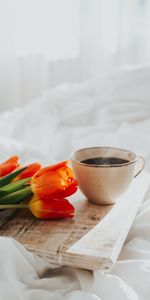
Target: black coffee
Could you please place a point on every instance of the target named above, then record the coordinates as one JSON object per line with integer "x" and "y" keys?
{"x": 104, "y": 161}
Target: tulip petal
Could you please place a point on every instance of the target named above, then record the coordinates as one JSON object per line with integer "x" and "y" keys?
{"x": 71, "y": 189}
{"x": 55, "y": 209}
{"x": 9, "y": 165}
{"x": 54, "y": 182}
{"x": 53, "y": 168}
{"x": 29, "y": 171}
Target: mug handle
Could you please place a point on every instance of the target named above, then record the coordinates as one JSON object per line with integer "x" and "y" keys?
{"x": 140, "y": 164}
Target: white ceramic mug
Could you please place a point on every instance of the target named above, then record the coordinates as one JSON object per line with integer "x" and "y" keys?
{"x": 104, "y": 183}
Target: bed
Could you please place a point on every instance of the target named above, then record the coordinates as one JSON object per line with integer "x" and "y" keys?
{"x": 110, "y": 111}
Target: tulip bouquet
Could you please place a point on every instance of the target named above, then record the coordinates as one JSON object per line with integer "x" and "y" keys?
{"x": 41, "y": 189}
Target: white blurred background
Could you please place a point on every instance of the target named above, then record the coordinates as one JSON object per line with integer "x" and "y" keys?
{"x": 44, "y": 43}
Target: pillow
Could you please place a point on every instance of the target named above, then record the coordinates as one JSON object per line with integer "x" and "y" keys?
{"x": 133, "y": 83}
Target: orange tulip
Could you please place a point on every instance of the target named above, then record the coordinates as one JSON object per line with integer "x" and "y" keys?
{"x": 54, "y": 182}
{"x": 29, "y": 171}
{"x": 9, "y": 165}
{"x": 55, "y": 209}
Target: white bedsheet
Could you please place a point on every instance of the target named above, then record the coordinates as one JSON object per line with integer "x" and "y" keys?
{"x": 116, "y": 112}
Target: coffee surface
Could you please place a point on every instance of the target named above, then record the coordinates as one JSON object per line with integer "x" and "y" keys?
{"x": 104, "y": 161}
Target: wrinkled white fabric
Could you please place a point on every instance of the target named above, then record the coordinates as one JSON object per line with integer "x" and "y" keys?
{"x": 116, "y": 112}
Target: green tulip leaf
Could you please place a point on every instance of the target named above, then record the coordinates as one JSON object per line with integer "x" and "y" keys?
{"x": 8, "y": 178}
{"x": 17, "y": 197}
{"x": 14, "y": 186}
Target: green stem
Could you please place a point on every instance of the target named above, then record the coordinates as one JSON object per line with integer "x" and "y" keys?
{"x": 6, "y": 206}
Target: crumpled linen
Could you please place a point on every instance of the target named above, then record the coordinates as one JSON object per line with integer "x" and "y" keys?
{"x": 26, "y": 276}
{"x": 48, "y": 130}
